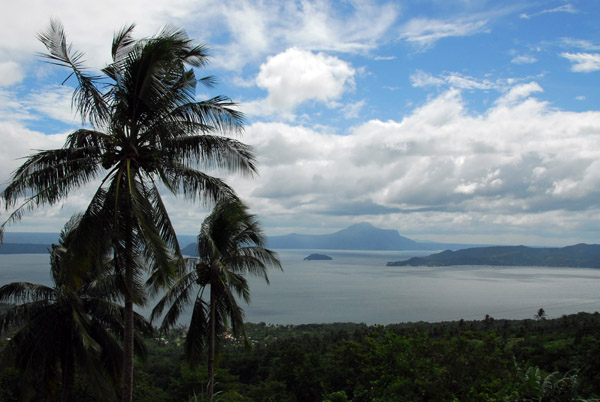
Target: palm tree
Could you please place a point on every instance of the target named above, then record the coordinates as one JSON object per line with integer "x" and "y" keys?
{"x": 70, "y": 324}
{"x": 230, "y": 244}
{"x": 142, "y": 127}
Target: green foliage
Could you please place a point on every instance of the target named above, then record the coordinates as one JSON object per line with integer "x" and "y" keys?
{"x": 70, "y": 325}
{"x": 552, "y": 360}
{"x": 143, "y": 127}
{"x": 230, "y": 246}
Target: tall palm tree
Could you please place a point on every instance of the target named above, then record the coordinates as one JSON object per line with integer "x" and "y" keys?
{"x": 142, "y": 127}
{"x": 230, "y": 245}
{"x": 70, "y": 324}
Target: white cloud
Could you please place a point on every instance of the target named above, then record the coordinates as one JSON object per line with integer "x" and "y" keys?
{"x": 238, "y": 31}
{"x": 440, "y": 168}
{"x": 257, "y": 29}
{"x": 10, "y": 73}
{"x": 520, "y": 158}
{"x": 423, "y": 79}
{"x": 453, "y": 80}
{"x": 457, "y": 80}
{"x": 20, "y": 142}
{"x": 12, "y": 108}
{"x": 51, "y": 101}
{"x": 296, "y": 76}
{"x": 565, "y": 8}
{"x": 384, "y": 58}
{"x": 425, "y": 32}
{"x": 54, "y": 102}
{"x": 352, "y": 110}
{"x": 519, "y": 92}
{"x": 524, "y": 59}
{"x": 583, "y": 62}
{"x": 579, "y": 43}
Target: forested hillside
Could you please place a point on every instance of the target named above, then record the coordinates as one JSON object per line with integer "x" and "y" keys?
{"x": 487, "y": 360}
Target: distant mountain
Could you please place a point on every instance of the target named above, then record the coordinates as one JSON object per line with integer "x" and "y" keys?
{"x": 191, "y": 250}
{"x": 580, "y": 255}
{"x": 318, "y": 257}
{"x": 361, "y": 236}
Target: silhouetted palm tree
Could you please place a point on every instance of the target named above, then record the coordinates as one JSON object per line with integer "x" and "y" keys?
{"x": 145, "y": 127}
{"x": 74, "y": 323}
{"x": 230, "y": 245}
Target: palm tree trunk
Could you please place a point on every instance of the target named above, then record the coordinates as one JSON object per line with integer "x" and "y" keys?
{"x": 127, "y": 385}
{"x": 128, "y": 336}
{"x": 68, "y": 376}
{"x": 211, "y": 347}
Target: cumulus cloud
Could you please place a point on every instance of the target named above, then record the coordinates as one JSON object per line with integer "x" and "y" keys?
{"x": 442, "y": 168}
{"x": 425, "y": 32}
{"x": 519, "y": 92}
{"x": 519, "y": 158}
{"x": 583, "y": 62}
{"x": 296, "y": 76}
{"x": 10, "y": 73}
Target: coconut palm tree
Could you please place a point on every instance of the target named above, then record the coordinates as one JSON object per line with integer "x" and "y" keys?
{"x": 73, "y": 323}
{"x": 142, "y": 127}
{"x": 230, "y": 245}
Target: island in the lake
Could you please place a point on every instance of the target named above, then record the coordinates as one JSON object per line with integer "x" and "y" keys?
{"x": 579, "y": 255}
{"x": 317, "y": 257}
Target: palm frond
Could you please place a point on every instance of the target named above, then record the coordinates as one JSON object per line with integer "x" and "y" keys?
{"x": 87, "y": 98}
{"x": 212, "y": 152}
{"x": 122, "y": 43}
{"x": 194, "y": 184}
{"x": 218, "y": 112}
{"x": 19, "y": 315}
{"x": 177, "y": 298}
{"x": 195, "y": 339}
{"x": 50, "y": 176}
{"x": 24, "y": 292}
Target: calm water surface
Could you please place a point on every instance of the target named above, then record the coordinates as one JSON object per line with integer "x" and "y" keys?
{"x": 358, "y": 287}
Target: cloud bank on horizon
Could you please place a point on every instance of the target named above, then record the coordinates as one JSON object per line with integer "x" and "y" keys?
{"x": 450, "y": 121}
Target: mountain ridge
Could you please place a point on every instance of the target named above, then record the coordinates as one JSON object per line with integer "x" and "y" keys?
{"x": 359, "y": 236}
{"x": 576, "y": 256}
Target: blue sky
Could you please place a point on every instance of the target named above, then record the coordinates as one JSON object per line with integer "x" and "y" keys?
{"x": 460, "y": 121}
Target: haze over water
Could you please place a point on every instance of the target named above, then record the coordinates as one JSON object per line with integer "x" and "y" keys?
{"x": 356, "y": 286}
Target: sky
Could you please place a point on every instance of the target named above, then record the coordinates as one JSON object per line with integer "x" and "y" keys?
{"x": 457, "y": 121}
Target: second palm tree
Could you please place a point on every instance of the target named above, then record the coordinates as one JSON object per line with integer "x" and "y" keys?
{"x": 230, "y": 245}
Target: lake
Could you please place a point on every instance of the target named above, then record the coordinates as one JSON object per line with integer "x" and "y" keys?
{"x": 356, "y": 286}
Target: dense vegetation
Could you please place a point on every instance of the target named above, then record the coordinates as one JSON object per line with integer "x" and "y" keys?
{"x": 487, "y": 360}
